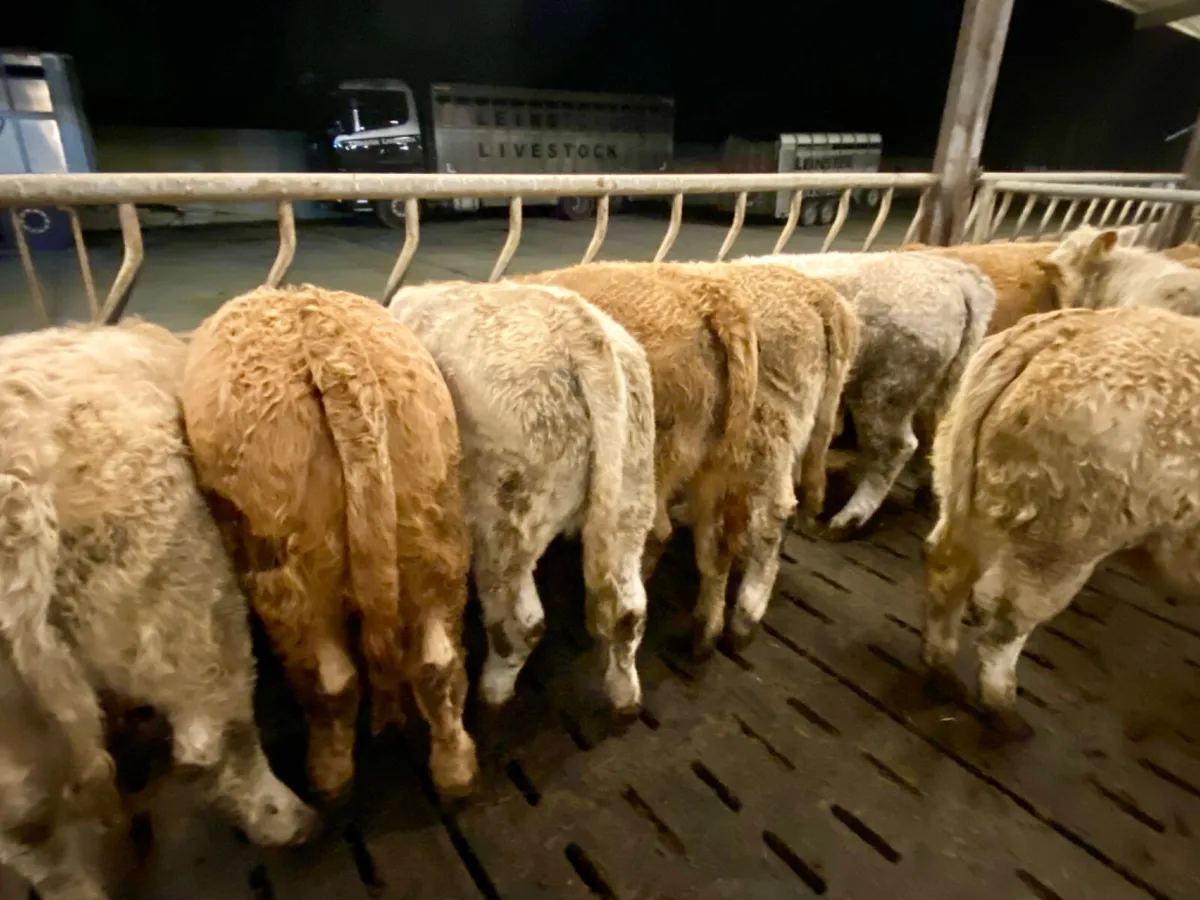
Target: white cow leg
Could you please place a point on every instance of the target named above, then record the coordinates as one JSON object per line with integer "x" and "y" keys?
{"x": 620, "y": 630}
{"x": 887, "y": 448}
{"x": 515, "y": 623}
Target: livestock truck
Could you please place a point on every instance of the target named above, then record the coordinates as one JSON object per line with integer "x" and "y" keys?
{"x": 43, "y": 130}
{"x": 378, "y": 126}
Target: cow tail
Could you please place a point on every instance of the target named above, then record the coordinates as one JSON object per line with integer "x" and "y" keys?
{"x": 979, "y": 300}
{"x": 29, "y": 553}
{"x": 841, "y": 347}
{"x": 733, "y": 324}
{"x": 606, "y": 392}
{"x": 352, "y": 400}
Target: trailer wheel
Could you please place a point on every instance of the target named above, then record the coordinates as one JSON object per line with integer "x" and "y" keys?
{"x": 576, "y": 208}
{"x": 390, "y": 213}
{"x": 828, "y": 211}
{"x": 809, "y": 213}
{"x": 873, "y": 198}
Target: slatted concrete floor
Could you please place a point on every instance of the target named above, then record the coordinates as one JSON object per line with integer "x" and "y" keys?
{"x": 808, "y": 765}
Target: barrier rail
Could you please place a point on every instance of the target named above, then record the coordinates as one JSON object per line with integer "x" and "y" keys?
{"x": 1121, "y": 192}
{"x": 126, "y": 190}
{"x": 1146, "y": 207}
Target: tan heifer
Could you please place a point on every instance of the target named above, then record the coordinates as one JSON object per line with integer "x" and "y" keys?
{"x": 807, "y": 340}
{"x": 556, "y": 413}
{"x": 1023, "y": 288}
{"x": 328, "y": 436}
{"x": 698, "y": 334}
{"x": 114, "y": 584}
{"x": 1092, "y": 269}
{"x": 1073, "y": 435}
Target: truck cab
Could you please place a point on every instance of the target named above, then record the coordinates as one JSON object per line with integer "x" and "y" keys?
{"x": 376, "y": 128}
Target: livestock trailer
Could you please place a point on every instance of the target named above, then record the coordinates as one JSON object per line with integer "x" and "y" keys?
{"x": 803, "y": 152}
{"x": 473, "y": 129}
{"x": 44, "y": 131}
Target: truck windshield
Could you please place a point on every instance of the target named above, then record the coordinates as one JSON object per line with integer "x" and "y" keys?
{"x": 379, "y": 109}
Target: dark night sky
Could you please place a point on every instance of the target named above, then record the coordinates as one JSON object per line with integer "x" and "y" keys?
{"x": 1079, "y": 88}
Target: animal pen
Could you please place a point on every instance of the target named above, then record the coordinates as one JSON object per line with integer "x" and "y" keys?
{"x": 809, "y": 762}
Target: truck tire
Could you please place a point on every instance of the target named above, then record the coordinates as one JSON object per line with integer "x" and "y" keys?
{"x": 828, "y": 211}
{"x": 809, "y": 213}
{"x": 576, "y": 208}
{"x": 390, "y": 213}
{"x": 873, "y": 196}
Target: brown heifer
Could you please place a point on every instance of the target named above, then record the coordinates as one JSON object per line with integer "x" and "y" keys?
{"x": 698, "y": 334}
{"x": 808, "y": 337}
{"x": 1022, "y": 286}
{"x": 329, "y": 436}
{"x": 1072, "y": 436}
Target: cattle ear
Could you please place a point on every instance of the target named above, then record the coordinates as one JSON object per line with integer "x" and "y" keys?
{"x": 1048, "y": 268}
{"x": 1127, "y": 236}
{"x": 1102, "y": 243}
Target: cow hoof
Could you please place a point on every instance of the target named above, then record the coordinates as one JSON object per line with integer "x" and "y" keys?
{"x": 454, "y": 798}
{"x": 974, "y": 616}
{"x": 923, "y": 499}
{"x": 624, "y": 716}
{"x": 737, "y": 639}
{"x": 702, "y": 648}
{"x": 839, "y": 533}
{"x": 337, "y": 798}
{"x": 1006, "y": 726}
{"x": 942, "y": 686}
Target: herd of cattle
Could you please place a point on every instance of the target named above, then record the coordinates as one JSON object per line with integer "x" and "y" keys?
{"x": 339, "y": 469}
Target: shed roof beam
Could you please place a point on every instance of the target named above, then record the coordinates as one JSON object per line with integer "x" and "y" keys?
{"x": 1165, "y": 15}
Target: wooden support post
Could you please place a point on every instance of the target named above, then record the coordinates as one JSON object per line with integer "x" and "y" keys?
{"x": 1177, "y": 223}
{"x": 964, "y": 118}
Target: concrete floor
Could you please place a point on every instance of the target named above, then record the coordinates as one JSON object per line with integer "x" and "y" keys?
{"x": 189, "y": 272}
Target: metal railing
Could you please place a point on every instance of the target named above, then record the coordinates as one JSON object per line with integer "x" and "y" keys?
{"x": 128, "y": 190}
{"x": 1112, "y": 199}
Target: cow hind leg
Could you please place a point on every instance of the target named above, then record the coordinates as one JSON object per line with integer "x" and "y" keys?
{"x": 1030, "y": 591}
{"x": 770, "y": 511}
{"x": 656, "y": 542}
{"x": 302, "y": 615}
{"x": 53, "y": 864}
{"x": 887, "y": 444}
{"x": 440, "y": 689}
{"x": 617, "y": 619}
{"x": 515, "y": 622}
{"x": 951, "y": 572}
{"x": 215, "y": 734}
{"x": 713, "y": 560}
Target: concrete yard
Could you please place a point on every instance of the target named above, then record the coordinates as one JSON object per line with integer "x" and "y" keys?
{"x": 809, "y": 764}
{"x": 189, "y": 272}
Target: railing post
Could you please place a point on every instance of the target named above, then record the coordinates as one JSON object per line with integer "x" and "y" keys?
{"x": 511, "y": 242}
{"x": 412, "y": 238}
{"x": 964, "y": 117}
{"x": 131, "y": 265}
{"x": 672, "y": 229}
{"x": 31, "y": 277}
{"x": 735, "y": 228}
{"x": 985, "y": 207}
{"x": 1178, "y": 222}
